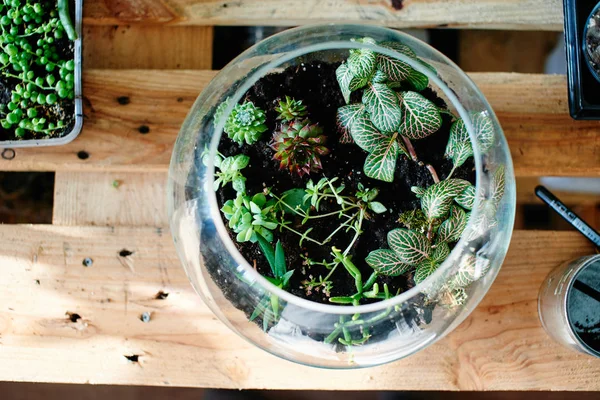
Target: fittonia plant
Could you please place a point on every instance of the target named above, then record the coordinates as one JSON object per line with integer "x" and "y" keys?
{"x": 389, "y": 115}
{"x": 387, "y": 109}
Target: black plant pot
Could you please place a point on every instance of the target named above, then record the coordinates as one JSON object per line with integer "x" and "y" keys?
{"x": 583, "y": 73}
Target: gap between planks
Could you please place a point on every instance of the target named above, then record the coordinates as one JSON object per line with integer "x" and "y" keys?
{"x": 120, "y": 104}
{"x": 501, "y": 346}
{"x": 495, "y": 14}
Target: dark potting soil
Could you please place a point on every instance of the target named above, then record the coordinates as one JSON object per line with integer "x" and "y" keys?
{"x": 316, "y": 85}
{"x": 63, "y": 110}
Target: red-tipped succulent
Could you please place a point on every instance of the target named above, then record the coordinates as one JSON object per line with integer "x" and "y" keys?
{"x": 299, "y": 146}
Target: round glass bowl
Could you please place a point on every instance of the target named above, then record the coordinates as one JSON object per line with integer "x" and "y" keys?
{"x": 308, "y": 332}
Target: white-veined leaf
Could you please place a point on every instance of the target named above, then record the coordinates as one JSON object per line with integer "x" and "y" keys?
{"x": 417, "y": 80}
{"x": 382, "y": 104}
{"x": 424, "y": 270}
{"x": 400, "y": 48}
{"x": 420, "y": 117}
{"x": 437, "y": 200}
{"x": 347, "y": 114}
{"x": 485, "y": 220}
{"x": 466, "y": 199}
{"x": 459, "y": 147}
{"x": 440, "y": 253}
{"x": 466, "y": 273}
{"x": 386, "y": 262}
{"x": 381, "y": 163}
{"x": 344, "y": 76}
{"x": 418, "y": 191}
{"x": 412, "y": 247}
{"x": 394, "y": 69}
{"x": 498, "y": 184}
{"x": 484, "y": 131}
{"x": 361, "y": 63}
{"x": 451, "y": 229}
{"x": 365, "y": 134}
{"x": 453, "y": 298}
{"x": 379, "y": 76}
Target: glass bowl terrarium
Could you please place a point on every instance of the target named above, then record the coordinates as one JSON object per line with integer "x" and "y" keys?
{"x": 341, "y": 195}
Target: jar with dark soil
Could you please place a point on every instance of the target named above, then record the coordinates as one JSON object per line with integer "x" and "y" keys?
{"x": 345, "y": 200}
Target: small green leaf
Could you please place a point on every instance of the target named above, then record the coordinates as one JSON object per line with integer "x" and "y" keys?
{"x": 451, "y": 229}
{"x": 341, "y": 300}
{"x": 381, "y": 163}
{"x": 412, "y": 247}
{"x": 239, "y": 184}
{"x": 437, "y": 200}
{"x": 259, "y": 199}
{"x": 260, "y": 308}
{"x": 377, "y": 207}
{"x": 295, "y": 198}
{"x": 420, "y": 117}
{"x": 365, "y": 134}
{"x": 466, "y": 199}
{"x": 386, "y": 262}
{"x": 382, "y": 104}
{"x": 280, "y": 268}
{"x": 417, "y": 80}
{"x": 440, "y": 253}
{"x": 267, "y": 250}
{"x": 418, "y": 191}
{"x": 240, "y": 161}
{"x": 424, "y": 270}
{"x": 344, "y": 76}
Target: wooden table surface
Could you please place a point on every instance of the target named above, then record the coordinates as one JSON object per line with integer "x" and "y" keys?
{"x": 63, "y": 322}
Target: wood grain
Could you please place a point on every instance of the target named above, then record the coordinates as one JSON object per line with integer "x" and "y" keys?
{"x": 501, "y": 346}
{"x": 147, "y": 47}
{"x": 505, "y": 51}
{"x": 496, "y": 14}
{"x": 110, "y": 199}
{"x": 532, "y": 110}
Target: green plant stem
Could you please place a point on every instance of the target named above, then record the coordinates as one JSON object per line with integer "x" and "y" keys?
{"x": 358, "y": 231}
{"x": 300, "y": 234}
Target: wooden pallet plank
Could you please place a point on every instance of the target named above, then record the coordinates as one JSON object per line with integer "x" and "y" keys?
{"x": 532, "y": 109}
{"x": 501, "y": 346}
{"x": 110, "y": 199}
{"x": 505, "y": 51}
{"x": 496, "y": 14}
{"x": 147, "y": 47}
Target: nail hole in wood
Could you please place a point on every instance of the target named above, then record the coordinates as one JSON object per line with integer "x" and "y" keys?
{"x": 144, "y": 129}
{"x": 123, "y": 100}
{"x": 180, "y": 99}
{"x": 73, "y": 317}
{"x": 133, "y": 358}
{"x": 87, "y": 262}
{"x": 83, "y": 155}
{"x": 161, "y": 295}
{"x": 125, "y": 253}
{"x": 397, "y": 4}
{"x": 8, "y": 154}
{"x": 37, "y": 282}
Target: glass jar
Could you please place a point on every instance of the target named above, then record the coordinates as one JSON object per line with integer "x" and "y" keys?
{"x": 328, "y": 335}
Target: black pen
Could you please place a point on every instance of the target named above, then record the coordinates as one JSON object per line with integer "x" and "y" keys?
{"x": 564, "y": 211}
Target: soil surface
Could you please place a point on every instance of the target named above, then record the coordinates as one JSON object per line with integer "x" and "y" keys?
{"x": 593, "y": 42}
{"x": 62, "y": 110}
{"x": 315, "y": 84}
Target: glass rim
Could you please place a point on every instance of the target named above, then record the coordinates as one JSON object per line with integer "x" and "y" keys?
{"x": 283, "y": 57}
{"x": 586, "y": 262}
